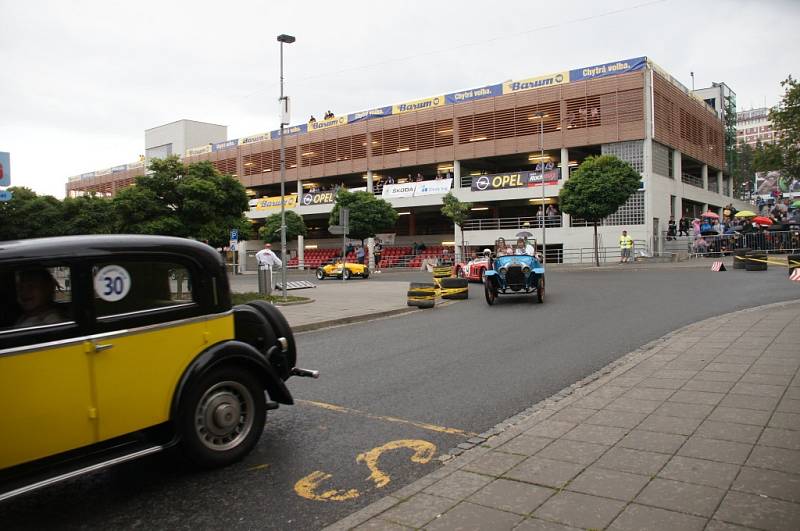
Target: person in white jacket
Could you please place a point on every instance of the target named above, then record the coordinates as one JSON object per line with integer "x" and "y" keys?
{"x": 267, "y": 258}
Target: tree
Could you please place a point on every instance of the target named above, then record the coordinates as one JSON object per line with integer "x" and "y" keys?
{"x": 28, "y": 215}
{"x": 767, "y": 157}
{"x": 368, "y": 214}
{"x": 458, "y": 212}
{"x": 87, "y": 214}
{"x": 271, "y": 230}
{"x": 190, "y": 201}
{"x": 599, "y": 186}
{"x": 785, "y": 117}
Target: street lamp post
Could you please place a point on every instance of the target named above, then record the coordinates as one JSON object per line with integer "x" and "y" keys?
{"x": 541, "y": 116}
{"x": 288, "y": 39}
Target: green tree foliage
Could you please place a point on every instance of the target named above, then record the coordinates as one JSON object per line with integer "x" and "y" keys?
{"x": 785, "y": 118}
{"x": 597, "y": 189}
{"x": 743, "y": 171}
{"x": 87, "y": 215}
{"x": 368, "y": 214}
{"x": 458, "y": 212}
{"x": 767, "y": 157}
{"x": 28, "y": 215}
{"x": 178, "y": 200}
{"x": 271, "y": 230}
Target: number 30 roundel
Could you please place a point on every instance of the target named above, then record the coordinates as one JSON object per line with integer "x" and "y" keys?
{"x": 112, "y": 283}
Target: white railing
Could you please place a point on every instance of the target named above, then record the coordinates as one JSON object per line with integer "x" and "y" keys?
{"x": 521, "y": 223}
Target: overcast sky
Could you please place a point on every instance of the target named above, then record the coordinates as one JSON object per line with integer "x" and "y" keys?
{"x": 80, "y": 81}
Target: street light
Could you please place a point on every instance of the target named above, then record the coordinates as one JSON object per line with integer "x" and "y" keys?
{"x": 288, "y": 39}
{"x": 541, "y": 116}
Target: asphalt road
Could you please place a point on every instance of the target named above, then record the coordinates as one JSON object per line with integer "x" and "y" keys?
{"x": 416, "y": 384}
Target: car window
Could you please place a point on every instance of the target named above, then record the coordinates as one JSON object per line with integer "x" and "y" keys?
{"x": 122, "y": 287}
{"x": 34, "y": 297}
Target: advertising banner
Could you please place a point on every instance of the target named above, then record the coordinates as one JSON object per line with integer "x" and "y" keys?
{"x": 135, "y": 165}
{"x": 287, "y": 131}
{"x": 327, "y": 124}
{"x": 488, "y": 91}
{"x": 260, "y": 137}
{"x": 317, "y": 198}
{"x": 121, "y": 167}
{"x": 607, "y": 69}
{"x": 520, "y": 179}
{"x": 418, "y": 105}
{"x": 367, "y": 115}
{"x": 775, "y": 184}
{"x": 219, "y": 146}
{"x": 559, "y": 78}
{"x": 398, "y": 190}
{"x": 88, "y": 175}
{"x": 5, "y": 168}
{"x": 198, "y": 150}
{"x": 439, "y": 186}
{"x": 104, "y": 171}
{"x": 274, "y": 203}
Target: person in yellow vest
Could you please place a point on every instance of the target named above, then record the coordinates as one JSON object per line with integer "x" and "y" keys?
{"x": 625, "y": 247}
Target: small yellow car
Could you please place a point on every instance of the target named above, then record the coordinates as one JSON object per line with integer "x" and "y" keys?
{"x": 335, "y": 270}
{"x": 116, "y": 347}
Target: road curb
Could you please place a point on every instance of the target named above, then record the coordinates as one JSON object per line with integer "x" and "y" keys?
{"x": 308, "y": 327}
{"x": 475, "y": 447}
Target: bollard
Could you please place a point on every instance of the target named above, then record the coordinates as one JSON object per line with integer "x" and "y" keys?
{"x": 265, "y": 280}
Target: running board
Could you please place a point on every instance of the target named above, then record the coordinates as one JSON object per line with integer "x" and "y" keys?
{"x": 30, "y": 487}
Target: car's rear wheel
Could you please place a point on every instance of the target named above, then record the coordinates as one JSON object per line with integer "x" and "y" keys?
{"x": 540, "y": 289}
{"x": 222, "y": 416}
{"x": 366, "y": 273}
{"x": 490, "y": 292}
{"x": 320, "y": 274}
{"x": 346, "y": 274}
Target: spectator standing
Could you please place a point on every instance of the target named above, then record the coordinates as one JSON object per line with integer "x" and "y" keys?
{"x": 625, "y": 247}
{"x": 671, "y": 228}
{"x": 312, "y": 120}
{"x": 360, "y": 254}
{"x": 377, "y": 251}
{"x": 267, "y": 258}
{"x": 683, "y": 227}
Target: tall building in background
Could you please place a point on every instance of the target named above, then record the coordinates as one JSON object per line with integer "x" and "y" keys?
{"x": 753, "y": 126}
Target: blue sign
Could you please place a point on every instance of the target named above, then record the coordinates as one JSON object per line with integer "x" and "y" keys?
{"x": 5, "y": 195}
{"x": 219, "y": 146}
{"x": 607, "y": 69}
{"x": 489, "y": 91}
{"x": 368, "y": 115}
{"x": 5, "y": 169}
{"x": 234, "y": 235}
{"x": 293, "y": 130}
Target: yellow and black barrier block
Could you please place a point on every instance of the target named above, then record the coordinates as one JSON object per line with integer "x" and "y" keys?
{"x": 793, "y": 261}
{"x": 740, "y": 258}
{"x": 442, "y": 272}
{"x": 454, "y": 288}
{"x": 422, "y": 294}
{"x": 756, "y": 261}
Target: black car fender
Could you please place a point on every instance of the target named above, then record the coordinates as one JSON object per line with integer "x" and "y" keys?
{"x": 233, "y": 352}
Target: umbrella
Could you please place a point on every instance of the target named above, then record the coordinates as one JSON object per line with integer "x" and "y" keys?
{"x": 796, "y": 204}
{"x": 524, "y": 234}
{"x": 744, "y": 214}
{"x": 762, "y": 220}
{"x": 710, "y": 214}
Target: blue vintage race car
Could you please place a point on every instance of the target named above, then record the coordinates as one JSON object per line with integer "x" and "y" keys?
{"x": 520, "y": 274}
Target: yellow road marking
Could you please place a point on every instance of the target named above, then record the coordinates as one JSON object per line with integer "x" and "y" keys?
{"x": 259, "y": 467}
{"x": 423, "y": 453}
{"x": 308, "y": 485}
{"x": 423, "y": 425}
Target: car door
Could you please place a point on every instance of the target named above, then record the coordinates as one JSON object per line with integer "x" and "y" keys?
{"x": 149, "y": 327}
{"x": 45, "y": 387}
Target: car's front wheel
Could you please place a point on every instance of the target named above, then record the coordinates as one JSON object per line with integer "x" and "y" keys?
{"x": 490, "y": 292}
{"x": 222, "y": 416}
{"x": 540, "y": 289}
{"x": 366, "y": 273}
{"x": 320, "y": 274}
{"x": 346, "y": 274}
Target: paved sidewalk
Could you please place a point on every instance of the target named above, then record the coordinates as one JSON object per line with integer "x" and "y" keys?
{"x": 697, "y": 430}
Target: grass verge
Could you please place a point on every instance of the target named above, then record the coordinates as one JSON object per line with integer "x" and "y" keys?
{"x": 242, "y": 298}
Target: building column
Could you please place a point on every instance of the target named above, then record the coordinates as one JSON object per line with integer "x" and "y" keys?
{"x": 720, "y": 190}
{"x": 564, "y": 164}
{"x": 412, "y": 224}
{"x": 704, "y": 175}
{"x": 677, "y": 165}
{"x": 301, "y": 251}
{"x": 457, "y": 246}
{"x": 370, "y": 184}
{"x": 299, "y": 190}
{"x": 456, "y": 174}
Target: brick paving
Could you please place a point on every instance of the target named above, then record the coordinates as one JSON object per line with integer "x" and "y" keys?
{"x": 697, "y": 430}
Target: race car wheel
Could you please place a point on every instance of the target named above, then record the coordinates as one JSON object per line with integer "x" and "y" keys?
{"x": 483, "y": 276}
{"x": 320, "y": 274}
{"x": 221, "y": 417}
{"x": 346, "y": 274}
{"x": 490, "y": 292}
{"x": 540, "y": 290}
{"x": 366, "y": 273}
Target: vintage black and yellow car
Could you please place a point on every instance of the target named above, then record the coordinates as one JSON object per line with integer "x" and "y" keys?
{"x": 115, "y": 347}
{"x": 335, "y": 269}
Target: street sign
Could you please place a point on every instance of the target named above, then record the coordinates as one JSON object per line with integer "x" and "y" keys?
{"x": 5, "y": 195}
{"x": 337, "y": 229}
{"x": 5, "y": 169}
{"x": 344, "y": 216}
{"x": 234, "y": 235}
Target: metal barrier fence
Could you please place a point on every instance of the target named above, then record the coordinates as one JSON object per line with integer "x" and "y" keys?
{"x": 767, "y": 241}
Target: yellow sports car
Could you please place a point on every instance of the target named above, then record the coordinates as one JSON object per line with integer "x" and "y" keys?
{"x": 336, "y": 270}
